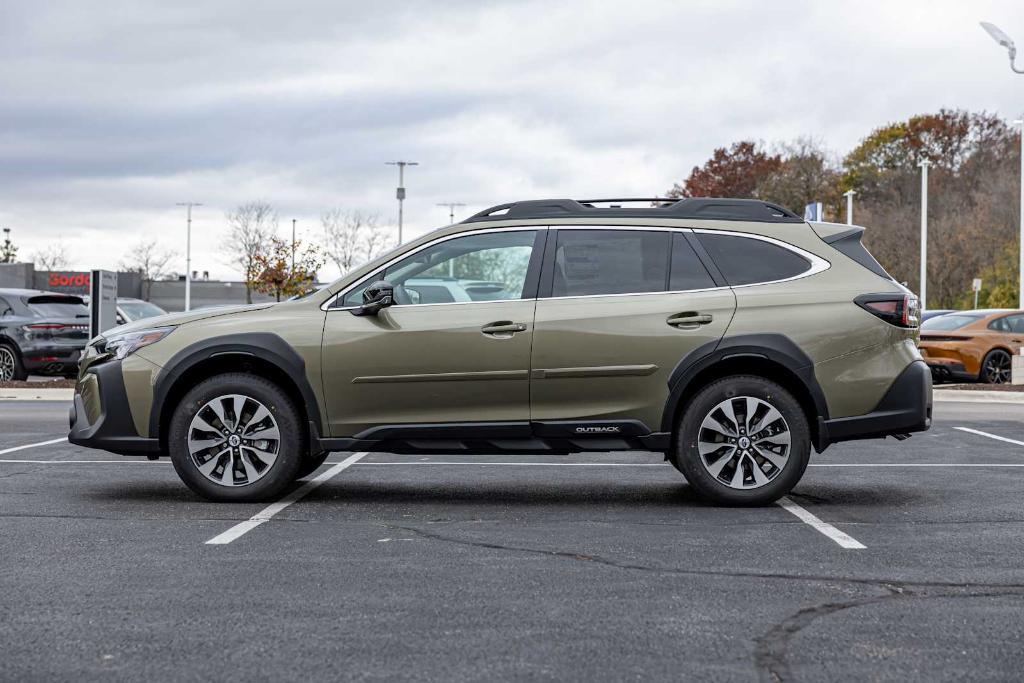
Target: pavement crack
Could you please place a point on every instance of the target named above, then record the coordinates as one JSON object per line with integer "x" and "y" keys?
{"x": 892, "y": 586}
{"x": 771, "y": 653}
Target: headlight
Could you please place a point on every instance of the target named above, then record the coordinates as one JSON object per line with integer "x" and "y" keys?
{"x": 127, "y": 343}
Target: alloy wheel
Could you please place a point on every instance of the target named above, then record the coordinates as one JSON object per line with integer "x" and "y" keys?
{"x": 234, "y": 440}
{"x": 7, "y": 361}
{"x": 997, "y": 367}
{"x": 744, "y": 442}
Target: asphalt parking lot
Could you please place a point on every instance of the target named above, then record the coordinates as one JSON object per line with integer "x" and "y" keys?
{"x": 890, "y": 561}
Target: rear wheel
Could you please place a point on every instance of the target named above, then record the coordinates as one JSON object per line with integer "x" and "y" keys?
{"x": 995, "y": 369}
{"x": 743, "y": 440}
{"x": 11, "y": 368}
{"x": 236, "y": 438}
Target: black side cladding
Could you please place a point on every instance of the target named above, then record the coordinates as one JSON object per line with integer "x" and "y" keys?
{"x": 848, "y": 243}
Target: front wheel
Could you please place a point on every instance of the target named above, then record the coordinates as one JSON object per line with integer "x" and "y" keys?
{"x": 743, "y": 440}
{"x": 236, "y": 438}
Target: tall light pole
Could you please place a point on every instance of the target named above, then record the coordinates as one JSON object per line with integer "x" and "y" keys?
{"x": 400, "y": 192}
{"x": 188, "y": 254}
{"x": 849, "y": 206}
{"x": 924, "y": 233}
{"x": 1007, "y": 42}
{"x": 293, "y": 246}
{"x": 451, "y": 209}
{"x": 1020, "y": 263}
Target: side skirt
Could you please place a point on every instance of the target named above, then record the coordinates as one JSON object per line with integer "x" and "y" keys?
{"x": 559, "y": 437}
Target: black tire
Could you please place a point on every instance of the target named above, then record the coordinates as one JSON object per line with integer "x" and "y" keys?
{"x": 687, "y": 458}
{"x": 15, "y": 367}
{"x": 996, "y": 368}
{"x": 281, "y": 473}
{"x": 311, "y": 463}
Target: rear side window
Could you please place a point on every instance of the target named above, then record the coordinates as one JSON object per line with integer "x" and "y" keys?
{"x": 1011, "y": 323}
{"x": 687, "y": 270}
{"x": 591, "y": 262}
{"x": 746, "y": 261}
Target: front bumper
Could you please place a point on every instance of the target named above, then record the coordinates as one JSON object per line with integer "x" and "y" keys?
{"x": 100, "y": 416}
{"x": 905, "y": 408}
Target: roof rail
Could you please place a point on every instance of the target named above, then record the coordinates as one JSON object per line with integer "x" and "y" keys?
{"x": 692, "y": 207}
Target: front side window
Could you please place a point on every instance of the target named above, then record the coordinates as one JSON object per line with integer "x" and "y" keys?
{"x": 746, "y": 261}
{"x": 595, "y": 262}
{"x": 487, "y": 267}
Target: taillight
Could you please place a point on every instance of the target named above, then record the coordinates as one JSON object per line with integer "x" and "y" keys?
{"x": 901, "y": 310}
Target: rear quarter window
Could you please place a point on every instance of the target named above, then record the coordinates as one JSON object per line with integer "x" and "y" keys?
{"x": 747, "y": 261}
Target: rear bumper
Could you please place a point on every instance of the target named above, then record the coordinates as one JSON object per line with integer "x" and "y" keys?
{"x": 51, "y": 357}
{"x": 905, "y": 408}
{"x": 949, "y": 370}
{"x": 101, "y": 418}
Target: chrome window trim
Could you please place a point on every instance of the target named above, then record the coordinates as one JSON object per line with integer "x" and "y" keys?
{"x": 818, "y": 264}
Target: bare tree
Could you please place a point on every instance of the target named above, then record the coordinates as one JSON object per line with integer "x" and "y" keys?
{"x": 250, "y": 229}
{"x": 351, "y": 237}
{"x": 148, "y": 259}
{"x": 53, "y": 256}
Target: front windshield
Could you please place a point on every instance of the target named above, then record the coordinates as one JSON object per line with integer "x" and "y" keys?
{"x": 137, "y": 310}
{"x": 950, "y": 321}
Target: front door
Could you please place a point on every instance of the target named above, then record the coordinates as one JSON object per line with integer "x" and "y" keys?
{"x": 619, "y": 308}
{"x": 455, "y": 347}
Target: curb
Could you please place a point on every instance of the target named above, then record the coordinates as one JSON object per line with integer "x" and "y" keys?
{"x": 962, "y": 396}
{"x": 41, "y": 394}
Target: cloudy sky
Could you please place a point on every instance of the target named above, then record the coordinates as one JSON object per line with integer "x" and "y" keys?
{"x": 112, "y": 112}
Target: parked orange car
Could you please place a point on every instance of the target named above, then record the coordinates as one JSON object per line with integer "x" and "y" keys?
{"x": 972, "y": 346}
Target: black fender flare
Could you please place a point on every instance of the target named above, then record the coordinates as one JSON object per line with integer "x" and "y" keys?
{"x": 265, "y": 346}
{"x": 776, "y": 348}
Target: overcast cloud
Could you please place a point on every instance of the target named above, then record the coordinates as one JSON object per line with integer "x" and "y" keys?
{"x": 111, "y": 112}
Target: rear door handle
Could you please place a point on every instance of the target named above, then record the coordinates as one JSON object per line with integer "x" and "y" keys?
{"x": 503, "y": 329}
{"x": 689, "y": 320}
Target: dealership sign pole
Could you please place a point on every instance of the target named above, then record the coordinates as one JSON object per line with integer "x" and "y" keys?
{"x": 924, "y": 233}
{"x": 102, "y": 302}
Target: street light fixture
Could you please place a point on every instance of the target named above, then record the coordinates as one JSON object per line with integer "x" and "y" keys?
{"x": 188, "y": 254}
{"x": 400, "y": 192}
{"x": 451, "y": 209}
{"x": 1004, "y": 40}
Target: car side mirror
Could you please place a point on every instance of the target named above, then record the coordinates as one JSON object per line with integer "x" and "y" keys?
{"x": 378, "y": 295}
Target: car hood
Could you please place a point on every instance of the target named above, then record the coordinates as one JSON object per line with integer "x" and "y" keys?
{"x": 175, "y": 319}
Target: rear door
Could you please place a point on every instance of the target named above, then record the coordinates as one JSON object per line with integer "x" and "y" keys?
{"x": 619, "y": 308}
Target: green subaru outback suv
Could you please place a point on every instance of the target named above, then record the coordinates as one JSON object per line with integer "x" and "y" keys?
{"x": 730, "y": 335}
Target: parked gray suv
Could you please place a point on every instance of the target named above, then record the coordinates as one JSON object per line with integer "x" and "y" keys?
{"x": 41, "y": 333}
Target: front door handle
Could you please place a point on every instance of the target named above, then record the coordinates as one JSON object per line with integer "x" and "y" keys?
{"x": 503, "y": 329}
{"x": 689, "y": 321}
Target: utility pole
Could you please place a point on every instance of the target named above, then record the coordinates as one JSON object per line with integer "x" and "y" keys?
{"x": 188, "y": 254}
{"x": 451, "y": 209}
{"x": 293, "y": 247}
{"x": 400, "y": 192}
{"x": 924, "y": 233}
{"x": 849, "y": 206}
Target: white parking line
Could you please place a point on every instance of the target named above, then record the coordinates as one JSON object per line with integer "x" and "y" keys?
{"x": 991, "y": 436}
{"x": 268, "y": 512}
{"x": 825, "y": 528}
{"x": 33, "y": 445}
